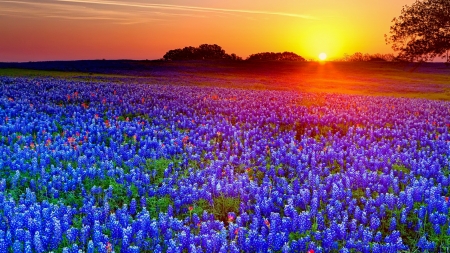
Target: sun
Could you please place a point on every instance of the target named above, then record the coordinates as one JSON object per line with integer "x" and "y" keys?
{"x": 322, "y": 56}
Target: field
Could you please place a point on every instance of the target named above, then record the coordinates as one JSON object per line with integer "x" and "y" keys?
{"x": 309, "y": 157}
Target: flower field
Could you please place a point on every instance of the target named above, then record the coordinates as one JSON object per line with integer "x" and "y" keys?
{"x": 109, "y": 167}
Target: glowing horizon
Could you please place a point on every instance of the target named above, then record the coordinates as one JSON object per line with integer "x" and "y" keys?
{"x": 139, "y": 29}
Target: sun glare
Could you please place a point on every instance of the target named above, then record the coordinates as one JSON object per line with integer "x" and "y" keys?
{"x": 322, "y": 56}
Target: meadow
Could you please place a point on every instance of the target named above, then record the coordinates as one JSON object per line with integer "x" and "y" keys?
{"x": 254, "y": 158}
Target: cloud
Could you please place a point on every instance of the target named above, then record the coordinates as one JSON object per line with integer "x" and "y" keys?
{"x": 128, "y": 13}
{"x": 187, "y": 8}
{"x": 65, "y": 11}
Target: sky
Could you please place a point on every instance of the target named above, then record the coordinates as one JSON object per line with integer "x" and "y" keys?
{"x": 139, "y": 29}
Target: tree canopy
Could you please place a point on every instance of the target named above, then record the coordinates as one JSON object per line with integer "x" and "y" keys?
{"x": 270, "y": 56}
{"x": 422, "y": 31}
{"x": 203, "y": 52}
{"x": 215, "y": 52}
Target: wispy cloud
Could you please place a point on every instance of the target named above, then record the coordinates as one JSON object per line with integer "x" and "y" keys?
{"x": 53, "y": 9}
{"x": 187, "y": 8}
{"x": 128, "y": 13}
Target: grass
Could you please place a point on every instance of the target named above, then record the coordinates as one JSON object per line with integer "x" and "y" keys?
{"x": 375, "y": 79}
{"x": 14, "y": 72}
{"x": 41, "y": 73}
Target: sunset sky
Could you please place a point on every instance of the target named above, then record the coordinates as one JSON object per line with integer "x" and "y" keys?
{"x": 138, "y": 29}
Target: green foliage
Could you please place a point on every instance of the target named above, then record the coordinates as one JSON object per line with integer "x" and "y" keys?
{"x": 220, "y": 207}
{"x": 402, "y": 168}
{"x": 223, "y": 205}
{"x": 297, "y": 236}
{"x": 159, "y": 165}
{"x": 119, "y": 191}
{"x": 197, "y": 207}
{"x": 335, "y": 167}
{"x": 155, "y": 205}
{"x": 132, "y": 116}
{"x": 59, "y": 127}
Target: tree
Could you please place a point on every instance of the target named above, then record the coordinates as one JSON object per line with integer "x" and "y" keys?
{"x": 422, "y": 31}
{"x": 270, "y": 56}
{"x": 203, "y": 52}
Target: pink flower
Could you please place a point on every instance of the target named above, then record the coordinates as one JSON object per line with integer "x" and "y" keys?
{"x": 108, "y": 247}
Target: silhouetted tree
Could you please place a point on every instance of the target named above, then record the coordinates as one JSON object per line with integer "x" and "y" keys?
{"x": 233, "y": 57}
{"x": 270, "y": 56}
{"x": 422, "y": 31}
{"x": 203, "y": 52}
{"x": 359, "y": 57}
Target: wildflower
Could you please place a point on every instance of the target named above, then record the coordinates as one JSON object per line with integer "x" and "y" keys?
{"x": 311, "y": 251}
{"x": 267, "y": 222}
{"x": 230, "y": 218}
{"x": 190, "y": 208}
{"x": 108, "y": 247}
{"x": 446, "y": 198}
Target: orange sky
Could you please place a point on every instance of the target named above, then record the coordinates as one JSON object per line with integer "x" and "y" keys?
{"x": 139, "y": 29}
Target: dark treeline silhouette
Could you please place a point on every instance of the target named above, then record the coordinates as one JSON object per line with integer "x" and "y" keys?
{"x": 270, "y": 56}
{"x": 203, "y": 52}
{"x": 215, "y": 52}
{"x": 360, "y": 57}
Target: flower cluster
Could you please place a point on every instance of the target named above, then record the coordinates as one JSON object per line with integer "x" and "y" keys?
{"x": 108, "y": 167}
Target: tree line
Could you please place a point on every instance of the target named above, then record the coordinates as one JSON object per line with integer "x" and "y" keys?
{"x": 360, "y": 57}
{"x": 215, "y": 52}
